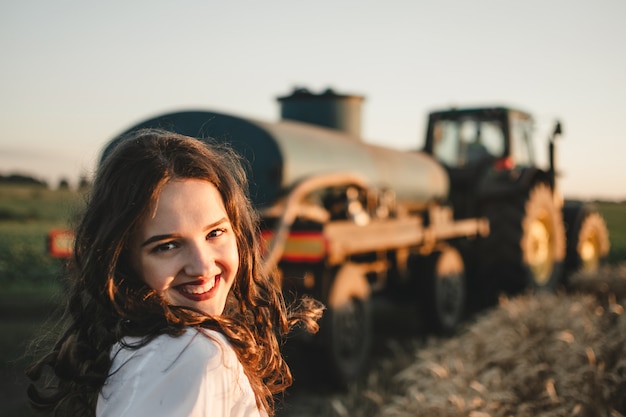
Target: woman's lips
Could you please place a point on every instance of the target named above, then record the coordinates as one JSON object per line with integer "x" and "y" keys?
{"x": 199, "y": 290}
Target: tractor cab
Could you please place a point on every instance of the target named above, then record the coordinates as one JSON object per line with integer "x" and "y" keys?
{"x": 479, "y": 145}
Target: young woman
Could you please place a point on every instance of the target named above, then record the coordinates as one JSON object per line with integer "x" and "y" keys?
{"x": 169, "y": 312}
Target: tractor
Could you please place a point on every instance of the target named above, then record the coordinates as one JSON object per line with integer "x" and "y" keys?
{"x": 537, "y": 240}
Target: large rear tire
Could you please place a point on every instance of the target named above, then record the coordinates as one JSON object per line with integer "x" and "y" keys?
{"x": 526, "y": 244}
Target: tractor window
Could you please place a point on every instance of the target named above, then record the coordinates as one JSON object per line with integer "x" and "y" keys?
{"x": 521, "y": 141}
{"x": 467, "y": 141}
{"x": 446, "y": 142}
{"x": 491, "y": 136}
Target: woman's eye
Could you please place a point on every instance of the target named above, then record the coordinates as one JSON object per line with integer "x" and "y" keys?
{"x": 164, "y": 247}
{"x": 215, "y": 233}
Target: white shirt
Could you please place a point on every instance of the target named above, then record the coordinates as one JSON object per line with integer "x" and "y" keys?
{"x": 194, "y": 375}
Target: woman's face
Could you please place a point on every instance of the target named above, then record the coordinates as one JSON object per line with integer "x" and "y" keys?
{"x": 186, "y": 249}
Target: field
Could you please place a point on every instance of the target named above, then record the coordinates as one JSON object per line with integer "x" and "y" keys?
{"x": 27, "y": 214}
{"x": 30, "y": 279}
{"x": 515, "y": 371}
{"x": 615, "y": 217}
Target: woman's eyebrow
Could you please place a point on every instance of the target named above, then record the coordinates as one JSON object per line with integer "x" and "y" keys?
{"x": 212, "y": 225}
{"x": 157, "y": 238}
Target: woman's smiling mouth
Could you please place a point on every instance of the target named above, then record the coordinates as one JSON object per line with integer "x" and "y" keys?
{"x": 199, "y": 290}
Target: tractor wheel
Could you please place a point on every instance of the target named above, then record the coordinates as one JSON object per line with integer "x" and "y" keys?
{"x": 347, "y": 325}
{"x": 526, "y": 244}
{"x": 443, "y": 290}
{"x": 587, "y": 239}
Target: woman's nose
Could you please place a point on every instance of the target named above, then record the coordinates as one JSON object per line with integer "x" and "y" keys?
{"x": 200, "y": 260}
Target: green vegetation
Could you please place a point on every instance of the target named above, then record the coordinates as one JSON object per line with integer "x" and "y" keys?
{"x": 27, "y": 214}
{"x": 615, "y": 217}
{"x": 29, "y": 277}
{"x": 20, "y": 203}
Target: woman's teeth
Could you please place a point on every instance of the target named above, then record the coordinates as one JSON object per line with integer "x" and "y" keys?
{"x": 198, "y": 289}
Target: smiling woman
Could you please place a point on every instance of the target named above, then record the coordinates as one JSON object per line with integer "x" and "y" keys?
{"x": 186, "y": 250}
{"x": 169, "y": 311}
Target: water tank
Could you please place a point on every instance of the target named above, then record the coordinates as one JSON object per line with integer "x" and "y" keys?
{"x": 282, "y": 153}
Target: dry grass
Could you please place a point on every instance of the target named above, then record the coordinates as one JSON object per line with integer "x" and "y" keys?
{"x": 545, "y": 354}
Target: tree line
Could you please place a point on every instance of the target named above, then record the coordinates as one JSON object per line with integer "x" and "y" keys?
{"x": 21, "y": 179}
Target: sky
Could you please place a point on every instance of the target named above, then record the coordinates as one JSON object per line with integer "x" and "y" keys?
{"x": 76, "y": 73}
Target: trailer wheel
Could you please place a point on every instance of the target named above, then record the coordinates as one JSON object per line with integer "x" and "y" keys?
{"x": 587, "y": 238}
{"x": 526, "y": 244}
{"x": 443, "y": 292}
{"x": 347, "y": 324}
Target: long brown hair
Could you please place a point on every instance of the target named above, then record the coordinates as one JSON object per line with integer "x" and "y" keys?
{"x": 108, "y": 301}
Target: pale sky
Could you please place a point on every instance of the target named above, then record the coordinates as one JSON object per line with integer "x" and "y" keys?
{"x": 75, "y": 73}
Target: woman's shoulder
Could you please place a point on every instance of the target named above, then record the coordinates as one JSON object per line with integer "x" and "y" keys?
{"x": 206, "y": 348}
{"x": 209, "y": 346}
{"x": 189, "y": 374}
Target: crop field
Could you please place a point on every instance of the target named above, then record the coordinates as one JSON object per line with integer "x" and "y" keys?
{"x": 551, "y": 354}
{"x": 27, "y": 214}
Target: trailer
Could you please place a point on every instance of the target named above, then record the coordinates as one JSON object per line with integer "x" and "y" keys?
{"x": 344, "y": 220}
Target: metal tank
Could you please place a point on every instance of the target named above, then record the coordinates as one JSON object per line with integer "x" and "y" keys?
{"x": 282, "y": 153}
